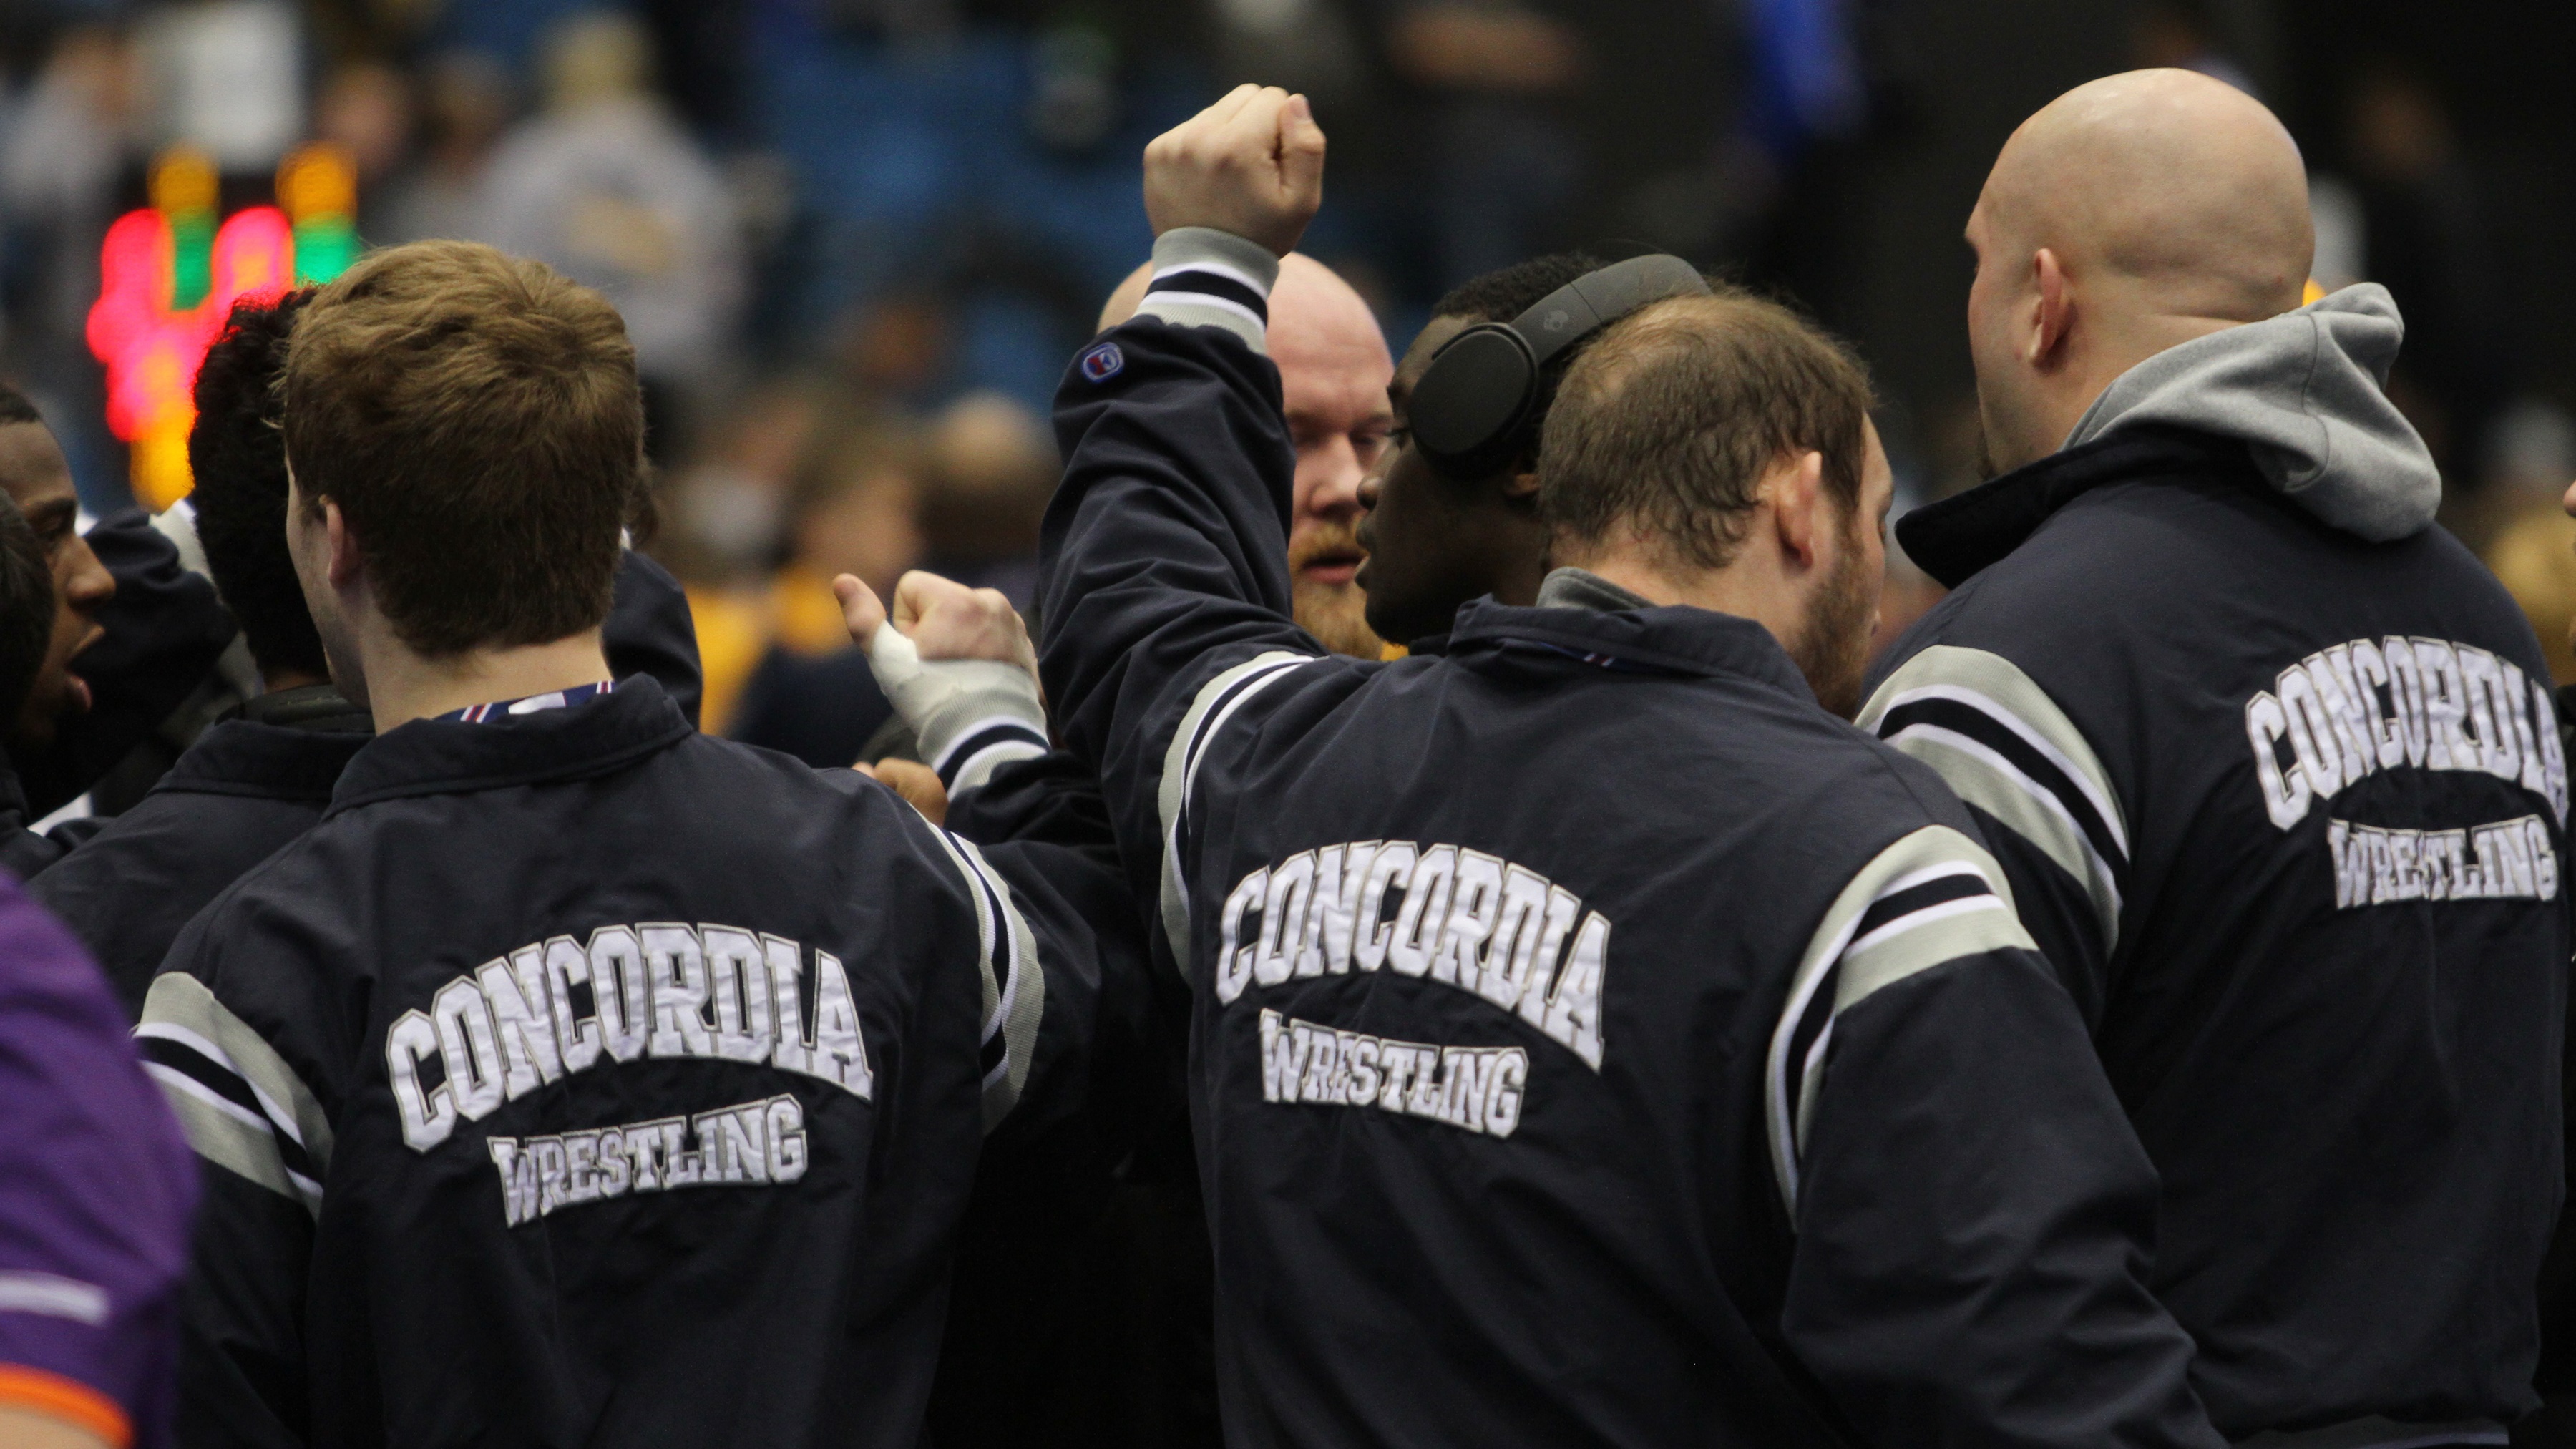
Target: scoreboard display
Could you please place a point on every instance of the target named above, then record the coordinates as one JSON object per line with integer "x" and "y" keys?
{"x": 170, "y": 272}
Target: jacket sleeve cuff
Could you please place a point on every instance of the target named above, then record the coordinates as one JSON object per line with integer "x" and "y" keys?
{"x": 969, "y": 716}
{"x": 1209, "y": 278}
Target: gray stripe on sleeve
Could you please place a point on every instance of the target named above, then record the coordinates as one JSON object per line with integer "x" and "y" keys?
{"x": 1892, "y": 951}
{"x": 1998, "y": 690}
{"x": 180, "y": 1007}
{"x": 1180, "y": 764}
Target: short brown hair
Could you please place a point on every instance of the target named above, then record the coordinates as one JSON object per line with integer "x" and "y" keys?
{"x": 477, "y": 419}
{"x": 1669, "y": 420}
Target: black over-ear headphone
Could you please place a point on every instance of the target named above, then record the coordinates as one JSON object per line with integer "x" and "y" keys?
{"x": 1477, "y": 404}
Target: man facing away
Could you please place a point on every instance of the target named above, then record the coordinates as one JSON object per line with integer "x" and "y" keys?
{"x": 2270, "y": 762}
{"x": 1709, "y": 1105}
{"x": 579, "y": 1078}
{"x": 247, "y": 785}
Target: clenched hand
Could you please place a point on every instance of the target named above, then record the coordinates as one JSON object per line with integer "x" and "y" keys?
{"x": 1252, "y": 164}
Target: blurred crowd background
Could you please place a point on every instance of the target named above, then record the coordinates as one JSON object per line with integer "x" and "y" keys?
{"x": 855, "y": 240}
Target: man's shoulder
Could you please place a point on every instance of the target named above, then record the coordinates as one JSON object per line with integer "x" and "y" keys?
{"x": 2187, "y": 572}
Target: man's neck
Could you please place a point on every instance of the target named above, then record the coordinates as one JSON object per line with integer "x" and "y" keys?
{"x": 403, "y": 686}
{"x": 2112, "y": 359}
{"x": 1743, "y": 588}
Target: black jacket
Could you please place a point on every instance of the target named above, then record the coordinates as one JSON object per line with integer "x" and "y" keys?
{"x": 24, "y": 850}
{"x": 1083, "y": 1272}
{"x": 1592, "y": 1041}
{"x": 2287, "y": 810}
{"x": 245, "y": 788}
{"x": 649, "y": 631}
{"x": 458, "y": 1191}
{"x": 248, "y": 786}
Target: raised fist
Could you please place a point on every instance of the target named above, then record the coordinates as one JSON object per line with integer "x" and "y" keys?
{"x": 1252, "y": 164}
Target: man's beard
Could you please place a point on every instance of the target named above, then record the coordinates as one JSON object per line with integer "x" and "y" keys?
{"x": 1336, "y": 614}
{"x": 1833, "y": 648}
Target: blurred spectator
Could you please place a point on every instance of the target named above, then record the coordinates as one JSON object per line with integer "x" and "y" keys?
{"x": 2533, "y": 549}
{"x": 465, "y": 104}
{"x": 2182, "y": 34}
{"x": 1493, "y": 75}
{"x": 63, "y": 152}
{"x": 226, "y": 77}
{"x": 2428, "y": 237}
{"x": 366, "y": 110}
{"x": 605, "y": 186}
{"x": 1311, "y": 47}
{"x": 992, "y": 468}
{"x": 857, "y": 511}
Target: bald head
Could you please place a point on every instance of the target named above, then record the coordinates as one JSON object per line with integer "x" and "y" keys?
{"x": 1307, "y": 290}
{"x": 2132, "y": 214}
{"x": 1333, "y": 371}
{"x": 2183, "y": 187}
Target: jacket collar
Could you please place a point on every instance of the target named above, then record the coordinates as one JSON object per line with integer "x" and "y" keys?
{"x": 263, "y": 761}
{"x": 447, "y": 757}
{"x": 1672, "y": 639}
{"x": 1573, "y": 588}
{"x": 309, "y": 707}
{"x": 1954, "y": 539}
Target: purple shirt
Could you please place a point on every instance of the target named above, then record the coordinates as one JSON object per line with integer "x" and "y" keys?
{"x": 96, "y": 1190}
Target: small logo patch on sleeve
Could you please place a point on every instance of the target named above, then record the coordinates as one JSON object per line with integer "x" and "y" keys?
{"x": 1103, "y": 362}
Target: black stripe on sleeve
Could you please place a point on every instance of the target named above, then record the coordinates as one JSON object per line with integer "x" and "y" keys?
{"x": 1811, "y": 1024}
{"x": 188, "y": 1062}
{"x": 1933, "y": 892}
{"x": 1985, "y": 729}
{"x": 998, "y": 732}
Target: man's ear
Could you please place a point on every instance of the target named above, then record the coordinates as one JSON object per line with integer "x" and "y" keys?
{"x": 344, "y": 562}
{"x": 1521, "y": 484}
{"x": 1795, "y": 488}
{"x": 2052, "y": 309}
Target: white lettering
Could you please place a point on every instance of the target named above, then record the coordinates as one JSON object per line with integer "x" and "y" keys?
{"x": 475, "y": 1075}
{"x": 427, "y": 1117}
{"x": 1233, "y": 962}
{"x": 751, "y": 1145}
{"x": 1426, "y": 910}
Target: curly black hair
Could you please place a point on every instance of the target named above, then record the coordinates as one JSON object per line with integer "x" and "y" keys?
{"x": 239, "y": 458}
{"x": 1506, "y": 292}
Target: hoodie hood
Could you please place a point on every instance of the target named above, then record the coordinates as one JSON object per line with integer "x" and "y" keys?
{"x": 2306, "y": 392}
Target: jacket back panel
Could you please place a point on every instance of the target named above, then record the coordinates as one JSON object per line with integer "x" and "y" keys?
{"x": 2331, "y": 992}
{"x": 792, "y": 1293}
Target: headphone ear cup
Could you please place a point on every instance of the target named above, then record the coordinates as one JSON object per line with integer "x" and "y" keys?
{"x": 1468, "y": 412}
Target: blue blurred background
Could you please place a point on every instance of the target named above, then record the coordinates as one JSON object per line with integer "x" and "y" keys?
{"x": 856, "y": 239}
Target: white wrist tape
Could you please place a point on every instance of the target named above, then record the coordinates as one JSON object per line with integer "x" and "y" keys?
{"x": 970, "y": 715}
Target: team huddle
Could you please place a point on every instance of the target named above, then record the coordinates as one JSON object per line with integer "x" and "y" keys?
{"x": 2128, "y": 1010}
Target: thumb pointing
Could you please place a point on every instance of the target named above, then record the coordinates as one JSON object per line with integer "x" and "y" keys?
{"x": 861, "y": 610}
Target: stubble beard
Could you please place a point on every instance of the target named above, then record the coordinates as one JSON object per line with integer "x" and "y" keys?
{"x": 1337, "y": 615}
{"x": 1833, "y": 647}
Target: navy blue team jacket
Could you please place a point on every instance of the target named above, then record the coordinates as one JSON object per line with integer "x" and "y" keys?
{"x": 1592, "y": 1042}
{"x": 244, "y": 788}
{"x": 2288, "y": 810}
{"x": 583, "y": 1079}
{"x": 247, "y": 786}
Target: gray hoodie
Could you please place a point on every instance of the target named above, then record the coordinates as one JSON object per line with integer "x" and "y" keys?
{"x": 2307, "y": 390}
